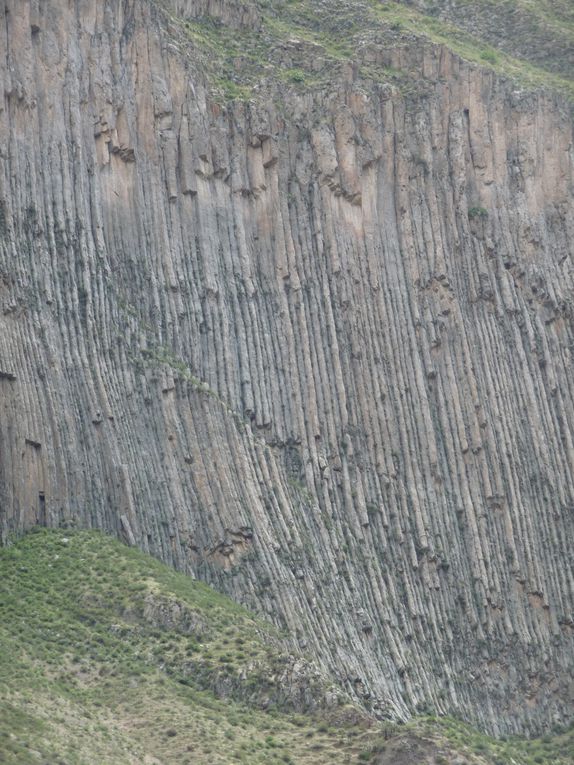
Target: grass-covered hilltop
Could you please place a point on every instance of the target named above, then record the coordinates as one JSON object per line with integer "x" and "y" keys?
{"x": 107, "y": 656}
{"x": 306, "y": 43}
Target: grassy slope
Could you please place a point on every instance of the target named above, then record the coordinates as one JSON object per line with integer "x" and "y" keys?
{"x": 539, "y": 31}
{"x": 459, "y": 27}
{"x": 107, "y": 656}
{"x": 304, "y": 42}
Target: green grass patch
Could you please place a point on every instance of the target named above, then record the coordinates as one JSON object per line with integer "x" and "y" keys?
{"x": 301, "y": 43}
{"x": 107, "y": 655}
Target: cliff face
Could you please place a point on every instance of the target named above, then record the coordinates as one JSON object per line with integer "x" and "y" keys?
{"x": 315, "y": 348}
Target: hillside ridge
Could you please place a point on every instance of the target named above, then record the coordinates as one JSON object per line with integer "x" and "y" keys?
{"x": 108, "y": 656}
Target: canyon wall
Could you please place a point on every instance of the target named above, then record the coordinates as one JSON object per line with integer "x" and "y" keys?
{"x": 315, "y": 348}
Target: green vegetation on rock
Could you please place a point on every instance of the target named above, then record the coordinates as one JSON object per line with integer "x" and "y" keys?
{"x": 106, "y": 655}
{"x": 557, "y": 749}
{"x": 304, "y": 43}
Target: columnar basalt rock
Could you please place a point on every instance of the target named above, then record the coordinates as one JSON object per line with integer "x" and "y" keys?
{"x": 315, "y": 349}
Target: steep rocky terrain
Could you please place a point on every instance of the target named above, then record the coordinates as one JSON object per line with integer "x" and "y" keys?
{"x": 107, "y": 656}
{"x": 286, "y": 300}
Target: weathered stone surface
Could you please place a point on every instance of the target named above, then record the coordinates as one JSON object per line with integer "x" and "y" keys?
{"x": 316, "y": 350}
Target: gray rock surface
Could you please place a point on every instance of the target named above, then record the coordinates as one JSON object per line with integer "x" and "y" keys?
{"x": 315, "y": 349}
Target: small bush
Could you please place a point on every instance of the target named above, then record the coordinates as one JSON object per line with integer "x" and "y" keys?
{"x": 489, "y": 56}
{"x": 477, "y": 212}
{"x": 296, "y": 76}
